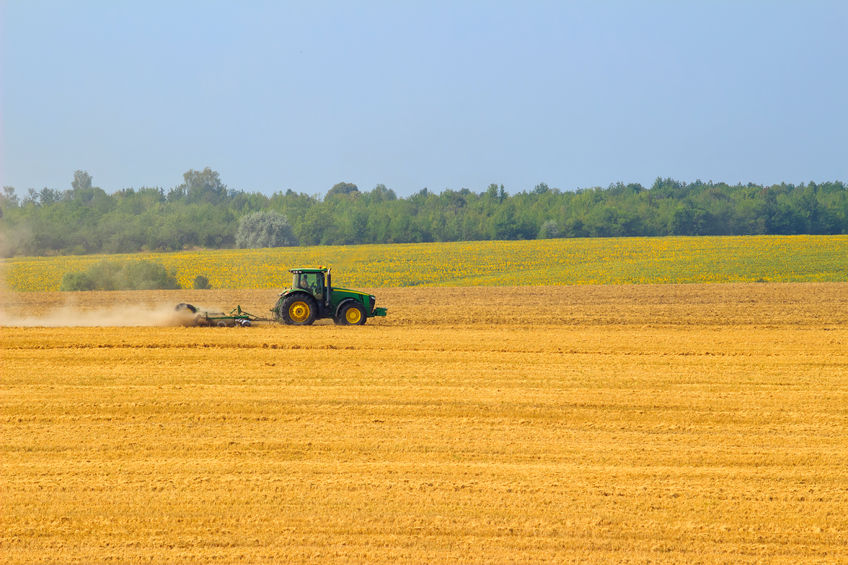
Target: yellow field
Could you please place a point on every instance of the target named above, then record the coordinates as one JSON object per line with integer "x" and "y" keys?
{"x": 627, "y": 260}
{"x": 666, "y": 423}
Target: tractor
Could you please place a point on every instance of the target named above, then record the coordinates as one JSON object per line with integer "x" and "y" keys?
{"x": 312, "y": 297}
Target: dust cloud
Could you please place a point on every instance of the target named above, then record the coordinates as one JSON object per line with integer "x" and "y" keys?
{"x": 118, "y": 316}
{"x": 68, "y": 312}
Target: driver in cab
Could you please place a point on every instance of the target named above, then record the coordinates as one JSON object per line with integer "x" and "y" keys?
{"x": 310, "y": 286}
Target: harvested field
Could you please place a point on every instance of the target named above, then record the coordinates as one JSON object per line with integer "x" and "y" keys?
{"x": 668, "y": 423}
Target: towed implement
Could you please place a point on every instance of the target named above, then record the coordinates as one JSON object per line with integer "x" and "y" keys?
{"x": 311, "y": 297}
{"x": 236, "y": 317}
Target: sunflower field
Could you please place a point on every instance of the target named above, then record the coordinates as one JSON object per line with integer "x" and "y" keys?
{"x": 632, "y": 260}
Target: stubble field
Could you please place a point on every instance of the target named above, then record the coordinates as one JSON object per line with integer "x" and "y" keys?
{"x": 653, "y": 423}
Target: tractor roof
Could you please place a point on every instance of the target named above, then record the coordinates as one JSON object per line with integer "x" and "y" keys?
{"x": 309, "y": 270}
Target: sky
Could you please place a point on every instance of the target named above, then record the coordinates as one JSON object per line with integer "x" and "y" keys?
{"x": 439, "y": 95}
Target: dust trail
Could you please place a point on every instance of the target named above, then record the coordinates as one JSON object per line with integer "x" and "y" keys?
{"x": 74, "y": 316}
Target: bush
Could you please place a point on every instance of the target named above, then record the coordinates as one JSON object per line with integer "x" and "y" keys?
{"x": 264, "y": 229}
{"x": 77, "y": 281}
{"x": 115, "y": 275}
{"x": 201, "y": 283}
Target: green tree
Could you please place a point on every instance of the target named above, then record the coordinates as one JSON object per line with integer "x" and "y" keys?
{"x": 82, "y": 181}
{"x": 264, "y": 229}
{"x": 549, "y": 230}
{"x": 201, "y": 186}
{"x": 342, "y": 189}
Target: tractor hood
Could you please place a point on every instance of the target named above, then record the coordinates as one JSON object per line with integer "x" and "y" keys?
{"x": 367, "y": 300}
{"x": 348, "y": 291}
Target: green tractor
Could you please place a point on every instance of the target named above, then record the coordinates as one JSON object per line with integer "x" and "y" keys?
{"x": 313, "y": 297}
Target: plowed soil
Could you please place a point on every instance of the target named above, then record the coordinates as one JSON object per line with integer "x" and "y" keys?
{"x": 669, "y": 423}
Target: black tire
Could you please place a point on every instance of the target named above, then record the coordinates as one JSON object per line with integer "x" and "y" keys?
{"x": 299, "y": 310}
{"x": 352, "y": 314}
{"x": 184, "y": 306}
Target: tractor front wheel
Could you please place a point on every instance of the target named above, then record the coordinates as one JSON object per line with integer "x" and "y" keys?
{"x": 352, "y": 315}
{"x": 299, "y": 310}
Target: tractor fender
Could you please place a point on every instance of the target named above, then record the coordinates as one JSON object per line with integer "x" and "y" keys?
{"x": 285, "y": 295}
{"x": 296, "y": 293}
{"x": 347, "y": 301}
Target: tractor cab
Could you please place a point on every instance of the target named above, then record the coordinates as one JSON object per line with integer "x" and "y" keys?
{"x": 312, "y": 281}
{"x": 315, "y": 281}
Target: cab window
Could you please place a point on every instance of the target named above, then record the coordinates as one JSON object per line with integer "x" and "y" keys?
{"x": 311, "y": 283}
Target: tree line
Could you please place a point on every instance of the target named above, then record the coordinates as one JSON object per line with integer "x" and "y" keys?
{"x": 203, "y": 212}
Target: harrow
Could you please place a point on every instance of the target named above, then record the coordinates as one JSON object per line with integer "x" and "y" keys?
{"x": 236, "y": 317}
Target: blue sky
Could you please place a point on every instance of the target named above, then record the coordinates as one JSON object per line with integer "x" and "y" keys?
{"x": 302, "y": 95}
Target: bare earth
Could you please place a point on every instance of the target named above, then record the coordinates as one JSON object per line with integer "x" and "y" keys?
{"x": 668, "y": 423}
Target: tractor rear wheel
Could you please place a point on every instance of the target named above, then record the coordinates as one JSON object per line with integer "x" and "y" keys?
{"x": 299, "y": 310}
{"x": 352, "y": 315}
